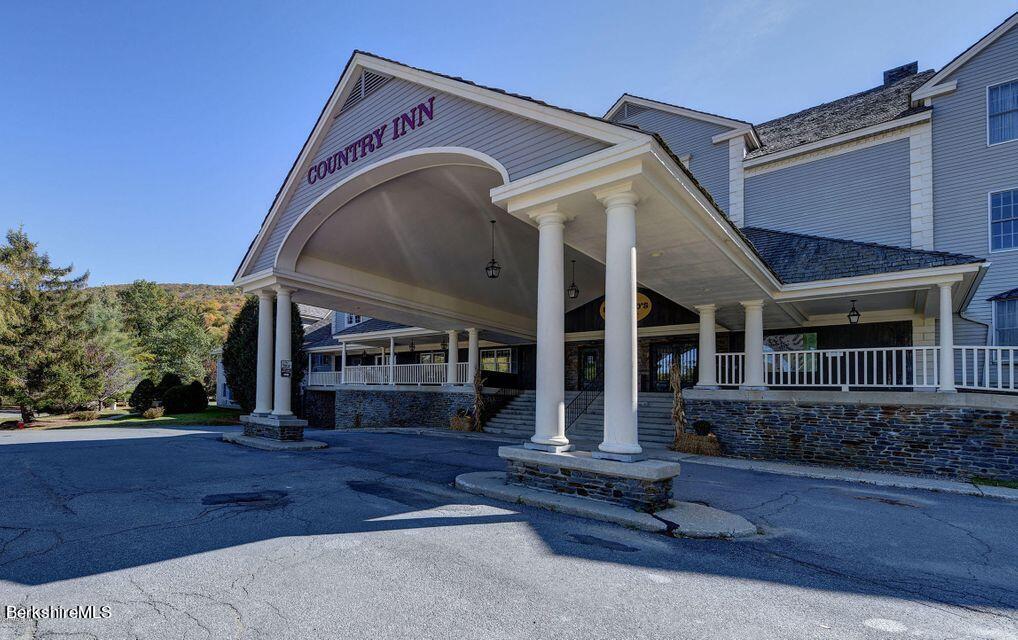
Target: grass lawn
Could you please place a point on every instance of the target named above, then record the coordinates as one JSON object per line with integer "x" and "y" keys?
{"x": 212, "y": 416}
{"x": 990, "y": 482}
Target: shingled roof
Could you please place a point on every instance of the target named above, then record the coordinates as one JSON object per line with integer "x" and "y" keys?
{"x": 323, "y": 336}
{"x": 797, "y": 257}
{"x": 874, "y": 106}
{"x": 1007, "y": 295}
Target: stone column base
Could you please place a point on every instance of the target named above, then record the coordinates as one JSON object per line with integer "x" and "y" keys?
{"x": 643, "y": 486}
{"x": 273, "y": 427}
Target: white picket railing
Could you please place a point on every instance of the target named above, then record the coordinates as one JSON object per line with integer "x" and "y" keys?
{"x": 730, "y": 368}
{"x": 418, "y": 374}
{"x": 887, "y": 367}
{"x": 986, "y": 368}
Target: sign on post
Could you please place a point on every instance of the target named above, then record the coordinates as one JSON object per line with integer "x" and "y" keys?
{"x": 285, "y": 368}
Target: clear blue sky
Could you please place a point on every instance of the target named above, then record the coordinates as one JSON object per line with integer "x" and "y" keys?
{"x": 146, "y": 140}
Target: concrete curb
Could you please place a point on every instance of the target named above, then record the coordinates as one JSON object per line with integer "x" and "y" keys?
{"x": 846, "y": 475}
{"x": 683, "y": 519}
{"x": 266, "y": 444}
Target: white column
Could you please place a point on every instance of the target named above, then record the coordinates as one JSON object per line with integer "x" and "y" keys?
{"x": 263, "y": 373}
{"x": 392, "y": 361}
{"x": 342, "y": 362}
{"x": 620, "y": 366}
{"x": 454, "y": 357}
{"x": 281, "y": 404}
{"x": 754, "y": 369}
{"x": 946, "y": 340}
{"x": 473, "y": 354}
{"x": 550, "y": 411}
{"x": 707, "y": 362}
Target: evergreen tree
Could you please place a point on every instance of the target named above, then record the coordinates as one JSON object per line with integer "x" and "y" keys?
{"x": 111, "y": 354}
{"x": 240, "y": 354}
{"x": 182, "y": 347}
{"x": 42, "y": 351}
{"x": 145, "y": 307}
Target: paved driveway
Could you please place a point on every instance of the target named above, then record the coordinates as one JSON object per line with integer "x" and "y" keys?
{"x": 367, "y": 539}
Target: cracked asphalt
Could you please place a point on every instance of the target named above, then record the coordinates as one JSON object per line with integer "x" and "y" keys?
{"x": 184, "y": 536}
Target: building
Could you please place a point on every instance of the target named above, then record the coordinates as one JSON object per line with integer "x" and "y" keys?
{"x": 866, "y": 244}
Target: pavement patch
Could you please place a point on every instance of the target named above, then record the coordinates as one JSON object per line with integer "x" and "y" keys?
{"x": 395, "y": 494}
{"x": 251, "y": 499}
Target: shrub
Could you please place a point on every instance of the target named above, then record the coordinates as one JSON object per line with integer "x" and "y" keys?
{"x": 169, "y": 381}
{"x": 153, "y": 413}
{"x": 85, "y": 416}
{"x": 185, "y": 398}
{"x": 240, "y": 354}
{"x": 198, "y": 398}
{"x": 143, "y": 396}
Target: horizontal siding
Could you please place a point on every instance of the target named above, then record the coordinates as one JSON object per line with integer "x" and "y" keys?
{"x": 965, "y": 170}
{"x": 523, "y": 146}
{"x": 707, "y": 161}
{"x": 858, "y": 195}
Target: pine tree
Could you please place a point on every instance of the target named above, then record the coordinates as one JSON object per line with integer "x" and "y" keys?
{"x": 111, "y": 354}
{"x": 42, "y": 351}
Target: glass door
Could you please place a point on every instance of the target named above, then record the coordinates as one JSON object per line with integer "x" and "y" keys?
{"x": 590, "y": 365}
{"x": 662, "y": 356}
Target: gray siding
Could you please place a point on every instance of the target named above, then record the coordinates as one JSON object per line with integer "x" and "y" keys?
{"x": 707, "y": 161}
{"x": 523, "y": 146}
{"x": 859, "y": 195}
{"x": 965, "y": 170}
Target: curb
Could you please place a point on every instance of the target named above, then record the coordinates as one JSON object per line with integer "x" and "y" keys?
{"x": 265, "y": 444}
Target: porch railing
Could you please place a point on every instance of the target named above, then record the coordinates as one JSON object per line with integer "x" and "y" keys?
{"x": 406, "y": 374}
{"x": 986, "y": 368}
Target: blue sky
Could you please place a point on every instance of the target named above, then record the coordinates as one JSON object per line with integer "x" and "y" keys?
{"x": 147, "y": 140}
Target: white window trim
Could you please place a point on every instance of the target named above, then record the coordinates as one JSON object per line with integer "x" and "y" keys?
{"x": 989, "y": 221}
{"x": 993, "y": 325}
{"x": 494, "y": 351}
{"x": 987, "y": 119}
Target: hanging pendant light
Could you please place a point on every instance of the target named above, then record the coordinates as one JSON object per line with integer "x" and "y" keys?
{"x": 573, "y": 291}
{"x": 854, "y": 315}
{"x": 493, "y": 268}
{"x": 412, "y": 346}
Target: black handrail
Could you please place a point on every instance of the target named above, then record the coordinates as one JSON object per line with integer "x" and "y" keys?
{"x": 579, "y": 405}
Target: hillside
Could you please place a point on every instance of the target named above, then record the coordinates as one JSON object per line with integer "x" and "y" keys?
{"x": 218, "y": 304}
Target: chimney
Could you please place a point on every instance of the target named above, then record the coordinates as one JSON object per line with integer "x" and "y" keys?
{"x": 893, "y": 75}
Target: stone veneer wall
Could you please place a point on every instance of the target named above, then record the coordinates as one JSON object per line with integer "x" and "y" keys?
{"x": 641, "y": 495}
{"x": 320, "y": 408}
{"x": 886, "y": 432}
{"x": 398, "y": 407}
{"x": 286, "y": 433}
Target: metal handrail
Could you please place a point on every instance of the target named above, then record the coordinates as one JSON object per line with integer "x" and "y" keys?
{"x": 586, "y": 397}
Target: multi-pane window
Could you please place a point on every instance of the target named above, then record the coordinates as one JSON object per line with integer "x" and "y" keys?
{"x": 321, "y": 362}
{"x": 1005, "y": 319}
{"x": 1002, "y": 112}
{"x": 1004, "y": 220}
{"x": 497, "y": 360}
{"x": 351, "y": 320}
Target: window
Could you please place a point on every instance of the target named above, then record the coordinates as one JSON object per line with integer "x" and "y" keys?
{"x": 432, "y": 357}
{"x": 321, "y": 362}
{"x": 497, "y": 360}
{"x": 1004, "y": 220}
{"x": 1002, "y": 112}
{"x": 351, "y": 320}
{"x": 1005, "y": 322}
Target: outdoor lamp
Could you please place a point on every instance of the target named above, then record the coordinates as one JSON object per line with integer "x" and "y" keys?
{"x": 573, "y": 291}
{"x": 854, "y": 315}
{"x": 493, "y": 268}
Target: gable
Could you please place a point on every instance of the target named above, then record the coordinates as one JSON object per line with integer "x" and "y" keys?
{"x": 396, "y": 116}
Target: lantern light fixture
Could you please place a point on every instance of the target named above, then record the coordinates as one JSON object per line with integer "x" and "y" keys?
{"x": 854, "y": 315}
{"x": 493, "y": 268}
{"x": 573, "y": 291}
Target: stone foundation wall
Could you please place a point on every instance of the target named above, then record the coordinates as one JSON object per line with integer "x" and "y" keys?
{"x": 953, "y": 441}
{"x": 288, "y": 433}
{"x": 641, "y": 495}
{"x": 320, "y": 409}
{"x": 397, "y": 408}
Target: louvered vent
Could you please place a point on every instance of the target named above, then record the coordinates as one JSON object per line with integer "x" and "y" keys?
{"x": 368, "y": 83}
{"x": 628, "y": 111}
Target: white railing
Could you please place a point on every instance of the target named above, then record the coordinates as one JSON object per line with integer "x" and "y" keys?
{"x": 986, "y": 368}
{"x": 730, "y": 368}
{"x": 407, "y": 374}
{"x": 885, "y": 367}
{"x": 324, "y": 378}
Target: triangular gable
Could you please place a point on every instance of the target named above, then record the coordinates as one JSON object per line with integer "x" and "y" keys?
{"x": 941, "y": 83}
{"x": 629, "y": 105}
{"x": 370, "y": 80}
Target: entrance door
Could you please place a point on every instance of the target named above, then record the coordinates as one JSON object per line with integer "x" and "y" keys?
{"x": 679, "y": 352}
{"x": 590, "y": 365}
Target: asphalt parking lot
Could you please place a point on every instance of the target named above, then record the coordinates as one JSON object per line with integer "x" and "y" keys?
{"x": 183, "y": 536}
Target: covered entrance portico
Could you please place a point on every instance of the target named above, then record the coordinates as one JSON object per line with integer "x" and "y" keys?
{"x": 406, "y": 234}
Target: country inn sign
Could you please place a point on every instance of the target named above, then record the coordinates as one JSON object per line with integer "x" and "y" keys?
{"x": 748, "y": 246}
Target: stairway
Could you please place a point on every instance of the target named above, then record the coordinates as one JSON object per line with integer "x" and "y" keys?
{"x": 657, "y": 431}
